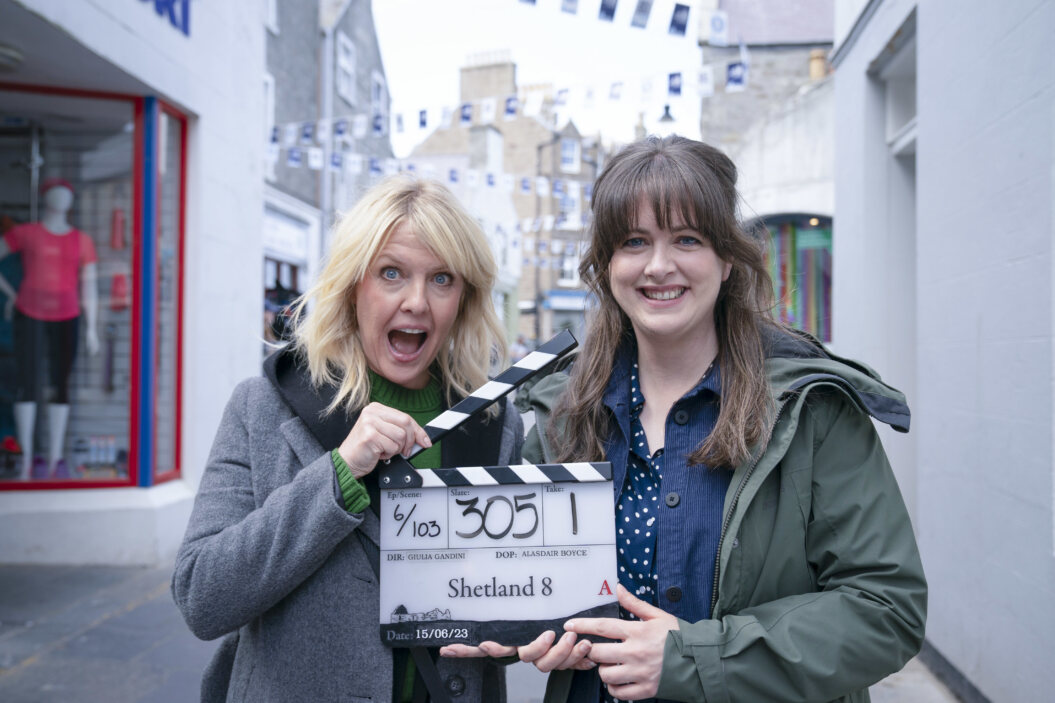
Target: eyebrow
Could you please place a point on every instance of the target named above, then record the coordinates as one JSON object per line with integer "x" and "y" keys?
{"x": 682, "y": 228}
{"x": 385, "y": 259}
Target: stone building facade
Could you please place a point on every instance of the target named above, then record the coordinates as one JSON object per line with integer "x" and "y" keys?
{"x": 324, "y": 72}
{"x": 544, "y": 227}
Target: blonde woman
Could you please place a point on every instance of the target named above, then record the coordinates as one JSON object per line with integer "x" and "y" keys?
{"x": 276, "y": 559}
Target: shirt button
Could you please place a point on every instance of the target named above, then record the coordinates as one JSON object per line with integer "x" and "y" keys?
{"x": 673, "y": 499}
{"x": 456, "y": 685}
{"x": 681, "y": 417}
{"x": 673, "y": 594}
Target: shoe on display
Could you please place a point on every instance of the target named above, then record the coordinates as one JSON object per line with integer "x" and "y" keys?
{"x": 40, "y": 468}
{"x": 62, "y": 469}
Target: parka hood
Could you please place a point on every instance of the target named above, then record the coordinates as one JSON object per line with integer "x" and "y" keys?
{"x": 796, "y": 360}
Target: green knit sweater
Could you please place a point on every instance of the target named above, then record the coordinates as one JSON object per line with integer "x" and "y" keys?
{"x": 422, "y": 405}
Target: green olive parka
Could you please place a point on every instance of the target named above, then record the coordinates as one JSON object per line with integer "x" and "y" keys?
{"x": 821, "y": 592}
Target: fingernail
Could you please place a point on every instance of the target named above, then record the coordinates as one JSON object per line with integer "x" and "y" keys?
{"x": 569, "y": 625}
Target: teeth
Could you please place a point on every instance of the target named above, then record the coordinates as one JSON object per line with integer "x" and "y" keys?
{"x": 411, "y": 331}
{"x": 664, "y": 295}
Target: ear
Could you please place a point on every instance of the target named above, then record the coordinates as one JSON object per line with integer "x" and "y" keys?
{"x": 727, "y": 268}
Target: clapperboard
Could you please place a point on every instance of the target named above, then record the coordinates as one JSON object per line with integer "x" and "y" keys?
{"x": 500, "y": 553}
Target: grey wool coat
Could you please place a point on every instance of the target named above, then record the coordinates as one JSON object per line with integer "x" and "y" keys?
{"x": 271, "y": 562}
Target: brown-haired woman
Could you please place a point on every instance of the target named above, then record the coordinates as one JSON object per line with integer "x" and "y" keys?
{"x": 764, "y": 551}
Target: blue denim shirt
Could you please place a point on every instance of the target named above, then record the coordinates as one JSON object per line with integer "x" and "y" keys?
{"x": 690, "y": 497}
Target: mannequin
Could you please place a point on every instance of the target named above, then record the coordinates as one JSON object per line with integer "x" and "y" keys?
{"x": 46, "y": 312}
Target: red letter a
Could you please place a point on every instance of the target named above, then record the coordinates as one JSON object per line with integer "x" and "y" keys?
{"x": 605, "y": 588}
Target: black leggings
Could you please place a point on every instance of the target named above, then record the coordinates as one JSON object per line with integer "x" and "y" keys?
{"x": 36, "y": 340}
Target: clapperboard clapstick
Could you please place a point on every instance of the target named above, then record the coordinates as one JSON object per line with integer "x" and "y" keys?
{"x": 398, "y": 472}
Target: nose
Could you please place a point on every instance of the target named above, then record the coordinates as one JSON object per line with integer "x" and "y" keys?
{"x": 660, "y": 263}
{"x": 415, "y": 299}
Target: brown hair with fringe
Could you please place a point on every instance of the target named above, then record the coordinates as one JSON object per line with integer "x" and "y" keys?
{"x": 688, "y": 179}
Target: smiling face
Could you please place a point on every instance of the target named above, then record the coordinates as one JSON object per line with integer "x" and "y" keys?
{"x": 667, "y": 280}
{"x": 406, "y": 306}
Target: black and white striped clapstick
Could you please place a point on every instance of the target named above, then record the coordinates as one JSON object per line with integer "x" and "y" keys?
{"x": 398, "y": 473}
{"x": 575, "y": 472}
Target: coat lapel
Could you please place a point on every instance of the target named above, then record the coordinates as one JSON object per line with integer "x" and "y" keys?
{"x": 304, "y": 444}
{"x": 307, "y": 449}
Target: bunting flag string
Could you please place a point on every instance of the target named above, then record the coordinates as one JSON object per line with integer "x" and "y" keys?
{"x": 608, "y": 9}
{"x": 350, "y": 163}
{"x": 345, "y": 131}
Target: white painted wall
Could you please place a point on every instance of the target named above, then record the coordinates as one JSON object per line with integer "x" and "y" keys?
{"x": 873, "y": 279}
{"x": 983, "y": 405}
{"x": 214, "y": 76}
{"x": 786, "y": 160}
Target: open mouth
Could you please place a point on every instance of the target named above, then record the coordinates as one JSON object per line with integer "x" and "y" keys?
{"x": 669, "y": 294}
{"x": 407, "y": 342}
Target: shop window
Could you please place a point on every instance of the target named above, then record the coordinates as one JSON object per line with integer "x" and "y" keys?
{"x": 282, "y": 281}
{"x": 799, "y": 257}
{"x": 76, "y": 286}
{"x": 172, "y": 138}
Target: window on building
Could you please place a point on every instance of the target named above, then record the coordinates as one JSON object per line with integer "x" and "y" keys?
{"x": 569, "y": 216}
{"x": 378, "y": 104}
{"x": 570, "y": 155}
{"x": 270, "y": 136}
{"x": 569, "y": 271}
{"x": 800, "y": 263}
{"x": 346, "y": 60}
{"x": 898, "y": 76}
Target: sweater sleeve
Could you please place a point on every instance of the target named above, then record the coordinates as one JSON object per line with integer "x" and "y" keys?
{"x": 354, "y": 496}
{"x": 238, "y": 559}
{"x": 866, "y": 618}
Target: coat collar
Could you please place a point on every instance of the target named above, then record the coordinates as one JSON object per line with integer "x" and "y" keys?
{"x": 470, "y": 444}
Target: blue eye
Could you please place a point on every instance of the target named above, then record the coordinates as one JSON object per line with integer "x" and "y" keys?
{"x": 389, "y": 273}
{"x": 444, "y": 279}
{"x": 634, "y": 242}
{"x": 689, "y": 240}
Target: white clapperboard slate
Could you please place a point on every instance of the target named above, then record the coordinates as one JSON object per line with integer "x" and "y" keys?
{"x": 498, "y": 553}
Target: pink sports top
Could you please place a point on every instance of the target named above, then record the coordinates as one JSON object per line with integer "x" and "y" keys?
{"x": 50, "y": 267}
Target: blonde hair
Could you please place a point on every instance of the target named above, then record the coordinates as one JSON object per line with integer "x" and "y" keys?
{"x": 328, "y": 334}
